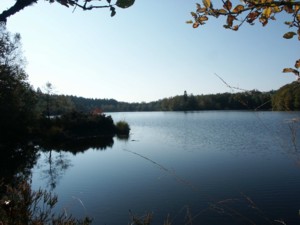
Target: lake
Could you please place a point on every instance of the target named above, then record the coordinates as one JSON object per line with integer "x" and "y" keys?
{"x": 210, "y": 167}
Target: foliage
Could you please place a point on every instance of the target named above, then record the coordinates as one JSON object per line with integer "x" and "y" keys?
{"x": 122, "y": 128}
{"x": 79, "y": 145}
{"x": 52, "y": 104}
{"x": 187, "y": 102}
{"x": 250, "y": 11}
{"x": 74, "y": 125}
{"x": 82, "y": 4}
{"x": 17, "y": 98}
{"x": 252, "y": 100}
{"x": 287, "y": 98}
{"x": 87, "y": 124}
{"x": 20, "y": 205}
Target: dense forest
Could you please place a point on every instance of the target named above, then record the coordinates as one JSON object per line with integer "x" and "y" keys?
{"x": 286, "y": 98}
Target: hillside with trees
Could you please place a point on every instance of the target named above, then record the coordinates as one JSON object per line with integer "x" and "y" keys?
{"x": 250, "y": 100}
{"x": 287, "y": 98}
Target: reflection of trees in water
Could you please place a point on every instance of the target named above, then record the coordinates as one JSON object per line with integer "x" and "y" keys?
{"x": 16, "y": 161}
{"x": 80, "y": 144}
{"x": 55, "y": 165}
{"x": 56, "y": 161}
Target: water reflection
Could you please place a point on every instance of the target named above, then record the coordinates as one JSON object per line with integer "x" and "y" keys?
{"x": 121, "y": 137}
{"x": 199, "y": 168}
{"x": 80, "y": 145}
{"x": 53, "y": 167}
{"x": 16, "y": 161}
{"x": 55, "y": 160}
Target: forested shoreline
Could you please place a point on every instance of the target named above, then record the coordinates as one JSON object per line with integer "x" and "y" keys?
{"x": 287, "y": 98}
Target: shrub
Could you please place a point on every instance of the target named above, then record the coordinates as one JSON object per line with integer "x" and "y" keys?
{"x": 122, "y": 128}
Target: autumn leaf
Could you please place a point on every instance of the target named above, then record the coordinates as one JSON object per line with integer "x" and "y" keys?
{"x": 222, "y": 11}
{"x": 276, "y": 9}
{"x": 252, "y": 16}
{"x": 263, "y": 20}
{"x": 235, "y": 28}
{"x": 202, "y": 18}
{"x": 289, "y": 35}
{"x": 195, "y": 25}
{"x": 206, "y": 3}
{"x": 291, "y": 70}
{"x": 194, "y": 15}
{"x": 267, "y": 12}
{"x": 297, "y": 65}
{"x": 288, "y": 9}
{"x": 201, "y": 10}
{"x": 227, "y": 5}
{"x": 230, "y": 19}
{"x": 238, "y": 9}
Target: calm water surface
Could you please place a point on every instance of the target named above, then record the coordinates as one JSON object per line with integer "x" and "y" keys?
{"x": 200, "y": 167}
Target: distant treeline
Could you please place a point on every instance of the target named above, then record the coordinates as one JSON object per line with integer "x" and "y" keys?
{"x": 286, "y": 98}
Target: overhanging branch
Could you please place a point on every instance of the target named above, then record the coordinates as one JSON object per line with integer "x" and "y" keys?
{"x": 18, "y": 6}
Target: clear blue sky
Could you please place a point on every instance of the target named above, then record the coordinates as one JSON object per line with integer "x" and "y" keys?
{"x": 148, "y": 52}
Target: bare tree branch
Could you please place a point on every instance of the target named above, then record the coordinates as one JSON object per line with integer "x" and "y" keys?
{"x": 18, "y": 6}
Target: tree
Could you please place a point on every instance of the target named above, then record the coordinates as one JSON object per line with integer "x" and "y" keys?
{"x": 17, "y": 99}
{"x": 49, "y": 91}
{"x": 250, "y": 11}
{"x": 83, "y": 4}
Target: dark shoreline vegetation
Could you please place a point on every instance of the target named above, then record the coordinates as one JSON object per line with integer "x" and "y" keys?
{"x": 287, "y": 98}
{"x": 32, "y": 121}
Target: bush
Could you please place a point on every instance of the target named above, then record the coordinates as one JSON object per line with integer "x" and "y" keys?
{"x": 122, "y": 128}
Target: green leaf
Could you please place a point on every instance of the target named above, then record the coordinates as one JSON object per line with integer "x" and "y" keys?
{"x": 289, "y": 35}
{"x": 124, "y": 3}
